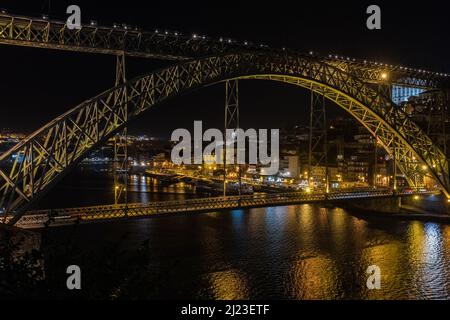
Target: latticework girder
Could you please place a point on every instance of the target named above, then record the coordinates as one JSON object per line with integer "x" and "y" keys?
{"x": 121, "y": 141}
{"x": 30, "y": 169}
{"x": 231, "y": 121}
{"x": 318, "y": 148}
{"x": 51, "y": 34}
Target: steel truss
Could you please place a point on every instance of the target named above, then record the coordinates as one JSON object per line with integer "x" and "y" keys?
{"x": 51, "y": 34}
{"x": 438, "y": 120}
{"x": 318, "y": 148}
{"x": 121, "y": 143}
{"x": 376, "y": 73}
{"x": 231, "y": 122}
{"x": 32, "y": 167}
{"x": 68, "y": 216}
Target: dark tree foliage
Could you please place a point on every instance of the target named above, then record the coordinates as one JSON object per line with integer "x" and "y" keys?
{"x": 21, "y": 275}
{"x": 113, "y": 274}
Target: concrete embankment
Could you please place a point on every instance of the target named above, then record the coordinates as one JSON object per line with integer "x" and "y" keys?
{"x": 424, "y": 209}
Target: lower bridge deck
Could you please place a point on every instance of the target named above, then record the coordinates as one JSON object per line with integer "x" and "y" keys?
{"x": 68, "y": 216}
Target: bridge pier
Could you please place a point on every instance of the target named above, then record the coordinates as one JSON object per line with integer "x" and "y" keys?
{"x": 120, "y": 164}
{"x": 231, "y": 122}
{"x": 318, "y": 138}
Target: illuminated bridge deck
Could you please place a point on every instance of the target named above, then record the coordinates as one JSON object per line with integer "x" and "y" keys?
{"x": 38, "y": 32}
{"x": 61, "y": 217}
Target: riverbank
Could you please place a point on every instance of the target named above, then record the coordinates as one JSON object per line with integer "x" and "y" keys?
{"x": 23, "y": 240}
{"x": 21, "y": 266}
{"x": 393, "y": 209}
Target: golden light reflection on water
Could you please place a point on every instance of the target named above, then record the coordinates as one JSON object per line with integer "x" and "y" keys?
{"x": 387, "y": 257}
{"x": 337, "y": 234}
{"x": 428, "y": 253}
{"x": 228, "y": 285}
{"x": 310, "y": 252}
{"x": 312, "y": 279}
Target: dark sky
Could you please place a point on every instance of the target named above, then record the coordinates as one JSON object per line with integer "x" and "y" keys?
{"x": 36, "y": 85}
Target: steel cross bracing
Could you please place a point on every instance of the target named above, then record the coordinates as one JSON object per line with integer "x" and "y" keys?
{"x": 44, "y": 33}
{"x": 231, "y": 121}
{"x": 398, "y": 75}
{"x": 62, "y": 217}
{"x": 32, "y": 167}
{"x": 121, "y": 141}
{"x": 318, "y": 149}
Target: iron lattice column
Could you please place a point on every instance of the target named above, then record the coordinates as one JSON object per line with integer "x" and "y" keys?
{"x": 318, "y": 149}
{"x": 231, "y": 122}
{"x": 385, "y": 87}
{"x": 121, "y": 140}
{"x": 438, "y": 120}
{"x": 446, "y": 121}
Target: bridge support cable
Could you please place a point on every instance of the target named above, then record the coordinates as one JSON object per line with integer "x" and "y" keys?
{"x": 231, "y": 122}
{"x": 121, "y": 140}
{"x": 318, "y": 149}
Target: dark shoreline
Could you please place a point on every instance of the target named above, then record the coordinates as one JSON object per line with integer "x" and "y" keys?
{"x": 364, "y": 212}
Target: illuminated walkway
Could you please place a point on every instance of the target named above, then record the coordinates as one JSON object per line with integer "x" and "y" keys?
{"x": 59, "y": 217}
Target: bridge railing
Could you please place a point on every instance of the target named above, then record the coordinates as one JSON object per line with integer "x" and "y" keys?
{"x": 74, "y": 215}
{"x": 52, "y": 34}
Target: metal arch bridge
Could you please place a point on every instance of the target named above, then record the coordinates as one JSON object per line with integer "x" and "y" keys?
{"x": 31, "y": 168}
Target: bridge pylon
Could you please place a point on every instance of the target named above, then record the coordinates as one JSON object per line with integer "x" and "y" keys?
{"x": 120, "y": 166}
{"x": 318, "y": 140}
{"x": 231, "y": 122}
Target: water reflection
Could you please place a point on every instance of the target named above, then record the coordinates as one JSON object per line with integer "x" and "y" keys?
{"x": 293, "y": 252}
{"x": 90, "y": 188}
{"x": 228, "y": 285}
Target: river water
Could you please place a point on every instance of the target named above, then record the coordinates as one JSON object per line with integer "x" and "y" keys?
{"x": 292, "y": 252}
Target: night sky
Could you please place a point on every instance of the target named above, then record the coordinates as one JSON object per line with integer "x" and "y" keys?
{"x": 37, "y": 85}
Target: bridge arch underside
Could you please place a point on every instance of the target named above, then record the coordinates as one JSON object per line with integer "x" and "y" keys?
{"x": 32, "y": 167}
{"x": 408, "y": 161}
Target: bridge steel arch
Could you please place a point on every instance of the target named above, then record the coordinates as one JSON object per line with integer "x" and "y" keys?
{"x": 32, "y": 167}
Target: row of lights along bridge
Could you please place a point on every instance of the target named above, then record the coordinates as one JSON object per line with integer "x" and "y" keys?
{"x": 128, "y": 28}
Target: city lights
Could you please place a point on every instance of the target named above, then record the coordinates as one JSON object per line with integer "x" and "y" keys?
{"x": 179, "y": 169}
